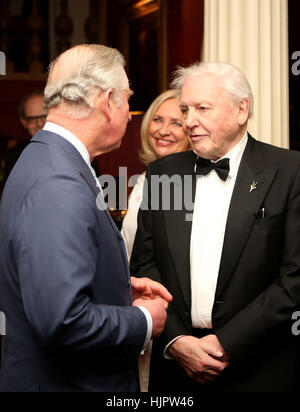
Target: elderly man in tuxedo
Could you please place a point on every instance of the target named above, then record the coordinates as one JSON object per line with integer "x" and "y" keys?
{"x": 73, "y": 320}
{"x": 233, "y": 264}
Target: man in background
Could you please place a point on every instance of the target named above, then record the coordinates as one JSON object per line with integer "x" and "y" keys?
{"x": 33, "y": 117}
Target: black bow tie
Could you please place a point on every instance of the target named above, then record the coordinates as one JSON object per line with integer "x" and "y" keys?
{"x": 205, "y": 166}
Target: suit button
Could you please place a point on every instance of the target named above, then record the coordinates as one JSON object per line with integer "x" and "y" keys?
{"x": 129, "y": 284}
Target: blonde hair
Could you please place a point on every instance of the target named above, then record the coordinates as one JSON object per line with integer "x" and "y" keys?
{"x": 148, "y": 154}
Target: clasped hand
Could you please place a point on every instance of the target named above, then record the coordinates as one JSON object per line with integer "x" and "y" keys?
{"x": 147, "y": 289}
{"x": 155, "y": 298}
{"x": 203, "y": 359}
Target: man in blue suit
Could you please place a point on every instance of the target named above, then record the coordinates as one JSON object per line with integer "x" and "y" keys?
{"x": 73, "y": 320}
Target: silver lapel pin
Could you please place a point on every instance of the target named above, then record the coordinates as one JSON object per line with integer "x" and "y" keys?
{"x": 253, "y": 186}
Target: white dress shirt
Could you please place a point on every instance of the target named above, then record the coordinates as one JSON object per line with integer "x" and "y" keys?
{"x": 213, "y": 197}
{"x": 77, "y": 143}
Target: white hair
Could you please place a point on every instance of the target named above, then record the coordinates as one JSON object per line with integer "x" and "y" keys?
{"x": 81, "y": 74}
{"x": 234, "y": 81}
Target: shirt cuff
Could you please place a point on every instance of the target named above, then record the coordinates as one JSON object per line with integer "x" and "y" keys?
{"x": 149, "y": 327}
{"x": 166, "y": 356}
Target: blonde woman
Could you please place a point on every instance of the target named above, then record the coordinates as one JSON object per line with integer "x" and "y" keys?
{"x": 162, "y": 134}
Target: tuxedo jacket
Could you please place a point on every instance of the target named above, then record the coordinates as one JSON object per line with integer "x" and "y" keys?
{"x": 64, "y": 279}
{"x": 258, "y": 286}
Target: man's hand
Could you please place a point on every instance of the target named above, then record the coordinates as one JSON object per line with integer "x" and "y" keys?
{"x": 202, "y": 359}
{"x": 211, "y": 345}
{"x": 147, "y": 289}
{"x": 158, "y": 311}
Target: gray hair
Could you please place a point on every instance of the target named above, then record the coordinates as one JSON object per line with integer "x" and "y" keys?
{"x": 81, "y": 74}
{"x": 234, "y": 81}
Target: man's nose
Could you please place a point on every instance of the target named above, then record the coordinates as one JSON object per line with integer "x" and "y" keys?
{"x": 191, "y": 121}
{"x": 41, "y": 122}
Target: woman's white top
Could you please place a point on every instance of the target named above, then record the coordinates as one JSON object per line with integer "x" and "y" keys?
{"x": 130, "y": 222}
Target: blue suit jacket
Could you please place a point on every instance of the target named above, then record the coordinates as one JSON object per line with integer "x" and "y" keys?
{"x": 64, "y": 279}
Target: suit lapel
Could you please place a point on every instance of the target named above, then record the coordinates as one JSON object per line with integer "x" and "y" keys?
{"x": 243, "y": 209}
{"x": 179, "y": 226}
{"x": 122, "y": 248}
{"x": 89, "y": 178}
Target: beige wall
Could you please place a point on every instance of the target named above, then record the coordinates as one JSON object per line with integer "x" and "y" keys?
{"x": 253, "y": 34}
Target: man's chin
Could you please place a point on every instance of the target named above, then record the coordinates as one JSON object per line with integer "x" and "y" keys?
{"x": 116, "y": 146}
{"x": 200, "y": 150}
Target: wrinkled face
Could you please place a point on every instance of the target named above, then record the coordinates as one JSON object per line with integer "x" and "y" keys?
{"x": 120, "y": 113}
{"x": 119, "y": 118}
{"x": 35, "y": 115}
{"x": 166, "y": 134}
{"x": 214, "y": 122}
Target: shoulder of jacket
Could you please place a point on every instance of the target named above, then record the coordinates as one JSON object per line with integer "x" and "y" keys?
{"x": 172, "y": 161}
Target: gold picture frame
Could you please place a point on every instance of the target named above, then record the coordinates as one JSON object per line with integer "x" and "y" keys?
{"x": 143, "y": 8}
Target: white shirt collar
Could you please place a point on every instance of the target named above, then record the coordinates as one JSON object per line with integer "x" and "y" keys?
{"x": 235, "y": 155}
{"x": 71, "y": 138}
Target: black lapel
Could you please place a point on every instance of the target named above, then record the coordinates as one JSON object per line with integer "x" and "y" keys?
{"x": 179, "y": 226}
{"x": 122, "y": 247}
{"x": 243, "y": 208}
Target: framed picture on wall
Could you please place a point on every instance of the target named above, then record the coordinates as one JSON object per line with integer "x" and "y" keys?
{"x": 147, "y": 51}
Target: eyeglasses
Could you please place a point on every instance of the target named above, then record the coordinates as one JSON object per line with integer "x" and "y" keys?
{"x": 36, "y": 119}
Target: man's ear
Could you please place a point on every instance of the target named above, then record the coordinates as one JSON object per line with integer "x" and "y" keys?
{"x": 244, "y": 109}
{"x": 104, "y": 102}
{"x": 24, "y": 122}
